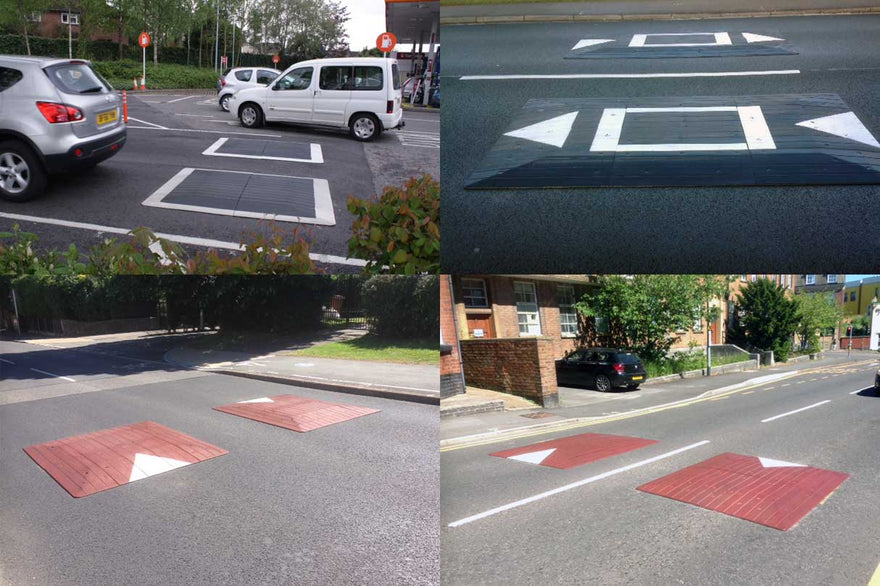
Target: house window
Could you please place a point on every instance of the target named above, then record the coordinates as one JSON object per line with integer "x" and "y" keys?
{"x": 698, "y": 325}
{"x": 852, "y": 296}
{"x": 743, "y": 278}
{"x": 474, "y": 293}
{"x": 35, "y": 17}
{"x": 831, "y": 279}
{"x": 527, "y": 309}
{"x": 601, "y": 325}
{"x": 754, "y": 278}
{"x": 568, "y": 322}
{"x": 69, "y": 18}
{"x": 810, "y": 279}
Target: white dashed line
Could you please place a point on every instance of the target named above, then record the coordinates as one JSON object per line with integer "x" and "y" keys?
{"x": 795, "y": 411}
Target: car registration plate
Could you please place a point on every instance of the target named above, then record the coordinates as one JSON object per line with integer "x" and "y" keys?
{"x": 107, "y": 117}
{"x": 638, "y": 377}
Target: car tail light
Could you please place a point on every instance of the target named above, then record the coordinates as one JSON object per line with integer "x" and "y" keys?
{"x": 620, "y": 368}
{"x": 57, "y": 113}
{"x": 222, "y": 82}
{"x": 391, "y": 106}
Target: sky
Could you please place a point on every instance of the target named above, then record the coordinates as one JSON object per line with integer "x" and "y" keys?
{"x": 857, "y": 277}
{"x": 366, "y": 24}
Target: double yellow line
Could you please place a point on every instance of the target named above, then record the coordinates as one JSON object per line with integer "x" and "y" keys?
{"x": 577, "y": 424}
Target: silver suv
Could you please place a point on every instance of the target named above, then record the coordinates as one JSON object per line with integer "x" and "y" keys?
{"x": 56, "y": 115}
{"x": 240, "y": 78}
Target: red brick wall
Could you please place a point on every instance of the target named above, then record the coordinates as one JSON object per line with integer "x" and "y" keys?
{"x": 519, "y": 366}
{"x": 451, "y": 379}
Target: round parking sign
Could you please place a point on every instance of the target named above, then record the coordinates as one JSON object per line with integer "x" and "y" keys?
{"x": 144, "y": 39}
{"x": 276, "y": 59}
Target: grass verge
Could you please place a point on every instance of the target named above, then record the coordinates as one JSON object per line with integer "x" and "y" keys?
{"x": 372, "y": 347}
{"x": 162, "y": 76}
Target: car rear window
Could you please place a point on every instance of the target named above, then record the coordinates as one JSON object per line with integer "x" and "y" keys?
{"x": 226, "y": 72}
{"x": 395, "y": 75}
{"x": 627, "y": 358}
{"x": 244, "y": 75}
{"x": 76, "y": 78}
{"x": 367, "y": 78}
{"x": 9, "y": 77}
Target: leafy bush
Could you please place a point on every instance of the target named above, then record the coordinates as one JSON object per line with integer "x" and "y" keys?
{"x": 267, "y": 252}
{"x": 400, "y": 230}
{"x": 403, "y": 307}
{"x": 162, "y": 76}
{"x": 85, "y": 298}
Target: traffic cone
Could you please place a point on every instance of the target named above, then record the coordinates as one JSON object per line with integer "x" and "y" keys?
{"x": 143, "y": 84}
{"x": 134, "y": 82}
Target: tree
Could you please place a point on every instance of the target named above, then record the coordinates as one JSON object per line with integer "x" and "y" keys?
{"x": 643, "y": 312}
{"x": 17, "y": 13}
{"x": 817, "y": 312}
{"x": 768, "y": 317}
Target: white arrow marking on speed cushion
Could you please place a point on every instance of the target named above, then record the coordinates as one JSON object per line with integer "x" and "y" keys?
{"x": 771, "y": 463}
{"x": 753, "y": 38}
{"x": 260, "y": 400}
{"x": 553, "y": 132}
{"x": 590, "y": 42}
{"x": 846, "y": 125}
{"x": 533, "y": 457}
{"x": 148, "y": 465}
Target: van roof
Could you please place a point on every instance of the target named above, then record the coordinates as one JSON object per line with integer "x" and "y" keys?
{"x": 351, "y": 60}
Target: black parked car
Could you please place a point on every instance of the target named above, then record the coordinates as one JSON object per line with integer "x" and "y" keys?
{"x": 877, "y": 383}
{"x": 602, "y": 368}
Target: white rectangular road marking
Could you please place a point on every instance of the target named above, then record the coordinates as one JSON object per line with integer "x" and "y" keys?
{"x": 147, "y": 123}
{"x": 577, "y": 484}
{"x": 630, "y": 75}
{"x": 316, "y": 155}
{"x": 795, "y": 411}
{"x": 757, "y": 134}
{"x": 180, "y": 239}
{"x": 179, "y": 99}
{"x": 324, "y": 214}
{"x": 719, "y": 39}
{"x": 53, "y": 375}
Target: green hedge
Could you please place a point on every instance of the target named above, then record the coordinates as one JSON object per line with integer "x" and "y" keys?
{"x": 403, "y": 307}
{"x": 162, "y": 76}
{"x": 85, "y": 298}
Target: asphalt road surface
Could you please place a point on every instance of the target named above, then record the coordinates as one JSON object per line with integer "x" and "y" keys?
{"x": 170, "y": 132}
{"x": 604, "y": 531}
{"x": 698, "y": 228}
{"x": 356, "y": 502}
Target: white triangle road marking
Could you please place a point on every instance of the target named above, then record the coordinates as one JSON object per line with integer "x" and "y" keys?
{"x": 260, "y": 400}
{"x": 553, "y": 132}
{"x": 590, "y": 42}
{"x": 753, "y": 38}
{"x": 771, "y": 463}
{"x": 846, "y": 125}
{"x": 533, "y": 457}
{"x": 148, "y": 465}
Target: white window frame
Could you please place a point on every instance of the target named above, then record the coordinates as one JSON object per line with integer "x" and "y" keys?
{"x": 534, "y": 325}
{"x": 698, "y": 325}
{"x": 743, "y": 278}
{"x": 831, "y": 279}
{"x": 753, "y": 278}
{"x": 809, "y": 279}
{"x": 35, "y": 17}
{"x": 569, "y": 291}
{"x": 70, "y": 18}
{"x": 464, "y": 296}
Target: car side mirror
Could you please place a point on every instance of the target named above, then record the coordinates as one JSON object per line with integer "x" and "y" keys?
{"x": 275, "y": 88}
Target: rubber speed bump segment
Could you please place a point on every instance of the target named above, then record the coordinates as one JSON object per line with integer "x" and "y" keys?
{"x": 576, "y": 450}
{"x": 769, "y": 492}
{"x": 92, "y": 462}
{"x": 295, "y": 413}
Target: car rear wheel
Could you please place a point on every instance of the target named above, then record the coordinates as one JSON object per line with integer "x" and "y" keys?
{"x": 224, "y": 102}
{"x": 251, "y": 116}
{"x": 21, "y": 175}
{"x": 365, "y": 127}
{"x": 602, "y": 383}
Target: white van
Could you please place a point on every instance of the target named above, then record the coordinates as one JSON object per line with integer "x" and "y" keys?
{"x": 359, "y": 93}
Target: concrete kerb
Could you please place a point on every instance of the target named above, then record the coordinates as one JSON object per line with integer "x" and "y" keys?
{"x": 475, "y": 20}
{"x": 550, "y": 427}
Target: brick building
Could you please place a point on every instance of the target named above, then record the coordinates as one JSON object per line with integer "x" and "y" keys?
{"x": 451, "y": 375}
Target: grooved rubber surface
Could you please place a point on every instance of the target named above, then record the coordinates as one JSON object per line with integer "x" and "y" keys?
{"x": 296, "y": 413}
{"x": 266, "y": 148}
{"x": 578, "y": 450}
{"x": 92, "y": 462}
{"x": 740, "y": 486}
{"x": 291, "y": 196}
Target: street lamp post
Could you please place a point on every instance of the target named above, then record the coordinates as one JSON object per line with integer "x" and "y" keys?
{"x": 708, "y": 341}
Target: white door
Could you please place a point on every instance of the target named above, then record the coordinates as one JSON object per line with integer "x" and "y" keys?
{"x": 333, "y": 94}
{"x": 291, "y": 97}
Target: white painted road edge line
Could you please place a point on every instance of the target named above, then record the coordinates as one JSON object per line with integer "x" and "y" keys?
{"x": 179, "y": 99}
{"x": 7, "y": 361}
{"x": 577, "y": 484}
{"x": 796, "y": 411}
{"x": 147, "y": 123}
{"x": 191, "y": 240}
{"x": 631, "y": 75}
{"x": 855, "y": 392}
{"x": 55, "y": 375}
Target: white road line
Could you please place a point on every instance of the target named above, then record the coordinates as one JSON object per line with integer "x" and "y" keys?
{"x": 857, "y": 391}
{"x": 316, "y": 155}
{"x": 147, "y": 123}
{"x": 198, "y": 130}
{"x": 196, "y": 115}
{"x": 55, "y": 375}
{"x": 7, "y": 361}
{"x": 577, "y": 484}
{"x": 191, "y": 240}
{"x": 795, "y": 411}
{"x": 179, "y": 99}
{"x": 631, "y": 75}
